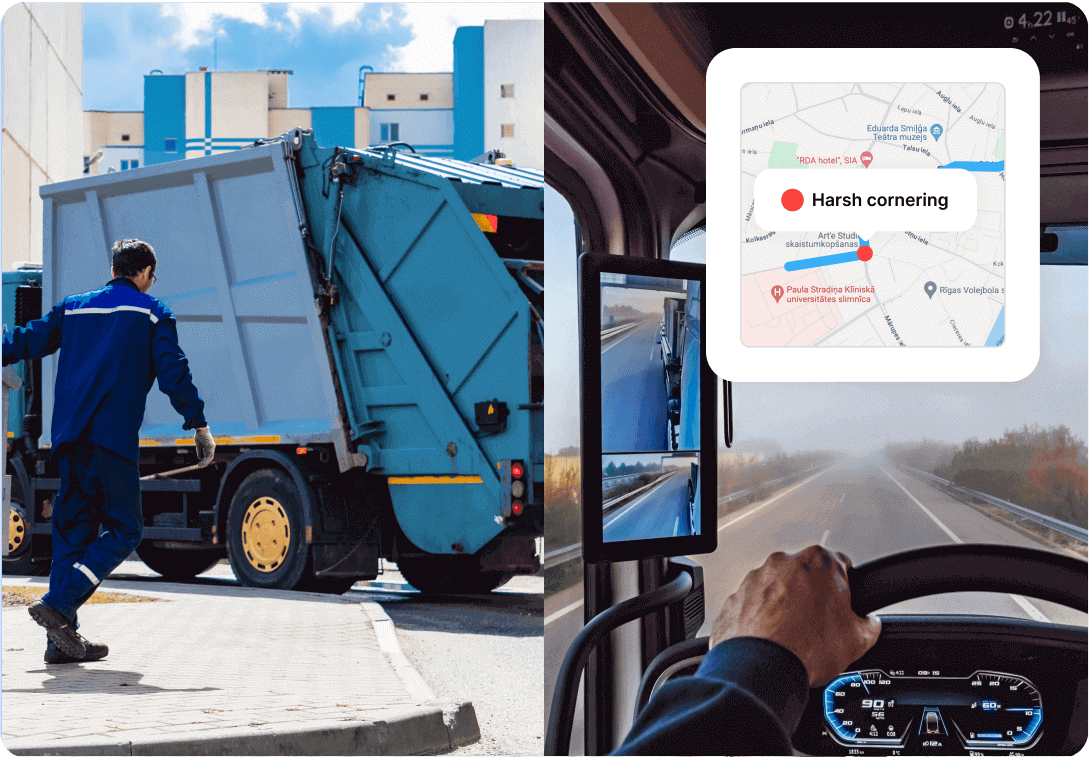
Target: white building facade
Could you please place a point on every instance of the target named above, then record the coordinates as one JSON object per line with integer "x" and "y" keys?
{"x": 514, "y": 90}
{"x": 42, "y": 139}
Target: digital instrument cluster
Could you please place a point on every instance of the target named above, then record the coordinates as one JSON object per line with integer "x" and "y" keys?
{"x": 927, "y": 712}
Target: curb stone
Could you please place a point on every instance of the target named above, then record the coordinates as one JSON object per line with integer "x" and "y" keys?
{"x": 428, "y": 729}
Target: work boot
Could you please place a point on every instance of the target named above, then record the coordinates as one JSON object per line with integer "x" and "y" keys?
{"x": 60, "y": 629}
{"x": 95, "y": 651}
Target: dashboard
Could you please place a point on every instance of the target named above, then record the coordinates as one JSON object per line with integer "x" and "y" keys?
{"x": 955, "y": 685}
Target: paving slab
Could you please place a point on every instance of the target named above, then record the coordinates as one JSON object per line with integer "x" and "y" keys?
{"x": 211, "y": 670}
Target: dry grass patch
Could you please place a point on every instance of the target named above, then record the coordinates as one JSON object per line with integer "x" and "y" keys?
{"x": 21, "y": 596}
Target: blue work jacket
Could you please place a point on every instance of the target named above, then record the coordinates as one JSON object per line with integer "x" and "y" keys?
{"x": 114, "y": 342}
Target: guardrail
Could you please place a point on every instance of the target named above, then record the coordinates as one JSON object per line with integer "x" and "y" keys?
{"x": 605, "y": 479}
{"x": 611, "y": 504}
{"x": 1059, "y": 526}
{"x": 562, "y": 555}
{"x": 606, "y": 333}
{"x": 774, "y": 482}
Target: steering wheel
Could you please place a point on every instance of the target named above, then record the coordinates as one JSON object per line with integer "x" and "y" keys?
{"x": 919, "y": 573}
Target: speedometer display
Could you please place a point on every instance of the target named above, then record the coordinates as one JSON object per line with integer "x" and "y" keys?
{"x": 986, "y": 710}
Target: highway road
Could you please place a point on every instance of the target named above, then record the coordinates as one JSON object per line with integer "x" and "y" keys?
{"x": 661, "y": 511}
{"x": 633, "y": 399}
{"x": 865, "y": 508}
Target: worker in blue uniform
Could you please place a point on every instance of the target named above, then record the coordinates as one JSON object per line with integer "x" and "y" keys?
{"x": 789, "y": 627}
{"x": 114, "y": 343}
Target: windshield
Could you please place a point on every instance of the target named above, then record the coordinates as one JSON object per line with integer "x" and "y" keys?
{"x": 868, "y": 469}
{"x": 872, "y": 469}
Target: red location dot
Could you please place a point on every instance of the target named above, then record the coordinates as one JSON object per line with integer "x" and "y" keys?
{"x": 865, "y": 252}
{"x": 792, "y": 199}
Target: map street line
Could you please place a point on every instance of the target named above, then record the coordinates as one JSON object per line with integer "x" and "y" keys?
{"x": 839, "y": 257}
{"x": 841, "y": 328}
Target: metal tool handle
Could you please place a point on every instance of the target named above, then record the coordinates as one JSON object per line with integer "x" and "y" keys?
{"x": 169, "y": 473}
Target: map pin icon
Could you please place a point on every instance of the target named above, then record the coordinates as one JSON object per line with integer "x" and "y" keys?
{"x": 936, "y": 130}
{"x": 867, "y": 158}
{"x": 930, "y": 287}
{"x": 776, "y": 292}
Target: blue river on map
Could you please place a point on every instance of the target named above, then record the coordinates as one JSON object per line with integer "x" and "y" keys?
{"x": 978, "y": 165}
{"x": 998, "y": 331}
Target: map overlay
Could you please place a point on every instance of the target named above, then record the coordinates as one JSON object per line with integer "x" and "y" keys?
{"x": 892, "y": 288}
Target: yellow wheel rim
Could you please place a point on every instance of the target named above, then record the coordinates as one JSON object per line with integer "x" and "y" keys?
{"x": 266, "y": 534}
{"x": 16, "y": 531}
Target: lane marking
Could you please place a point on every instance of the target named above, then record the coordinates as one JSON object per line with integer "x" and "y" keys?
{"x": 843, "y": 498}
{"x": 823, "y": 538}
{"x": 560, "y": 613}
{"x": 676, "y": 524}
{"x": 923, "y": 507}
{"x": 777, "y": 496}
{"x": 1032, "y": 611}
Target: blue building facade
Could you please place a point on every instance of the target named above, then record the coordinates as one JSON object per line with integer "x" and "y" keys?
{"x": 468, "y": 92}
{"x": 164, "y": 118}
{"x": 333, "y": 127}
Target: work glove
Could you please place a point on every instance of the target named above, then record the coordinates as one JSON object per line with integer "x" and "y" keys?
{"x": 206, "y": 445}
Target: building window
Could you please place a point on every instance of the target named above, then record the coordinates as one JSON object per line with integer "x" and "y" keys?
{"x": 391, "y": 97}
{"x": 391, "y": 132}
{"x": 423, "y": 97}
{"x": 134, "y": 164}
{"x": 170, "y": 145}
{"x": 124, "y": 137}
{"x": 507, "y": 130}
{"x": 124, "y": 165}
{"x": 506, "y": 90}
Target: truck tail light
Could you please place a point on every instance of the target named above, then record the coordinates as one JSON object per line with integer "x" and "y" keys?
{"x": 512, "y": 475}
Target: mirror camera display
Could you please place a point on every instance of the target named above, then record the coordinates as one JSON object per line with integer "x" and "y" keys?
{"x": 650, "y": 407}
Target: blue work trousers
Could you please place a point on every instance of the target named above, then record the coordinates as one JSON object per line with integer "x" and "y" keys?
{"x": 98, "y": 487}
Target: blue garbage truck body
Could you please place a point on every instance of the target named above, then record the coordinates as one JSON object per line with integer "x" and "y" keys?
{"x": 365, "y": 328}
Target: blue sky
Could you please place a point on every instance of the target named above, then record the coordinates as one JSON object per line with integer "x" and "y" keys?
{"x": 324, "y": 44}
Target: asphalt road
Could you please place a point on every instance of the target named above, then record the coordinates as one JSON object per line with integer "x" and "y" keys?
{"x": 661, "y": 511}
{"x": 633, "y": 398}
{"x": 866, "y": 509}
{"x": 485, "y": 649}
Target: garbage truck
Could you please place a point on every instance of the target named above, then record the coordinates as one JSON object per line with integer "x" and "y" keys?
{"x": 366, "y": 329}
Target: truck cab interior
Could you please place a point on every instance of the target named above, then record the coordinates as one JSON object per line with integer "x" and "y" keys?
{"x": 625, "y": 148}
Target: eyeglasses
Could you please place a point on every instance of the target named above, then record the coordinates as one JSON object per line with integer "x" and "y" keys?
{"x": 154, "y": 278}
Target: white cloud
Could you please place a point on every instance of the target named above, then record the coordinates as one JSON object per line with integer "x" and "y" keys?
{"x": 434, "y": 24}
{"x": 199, "y": 20}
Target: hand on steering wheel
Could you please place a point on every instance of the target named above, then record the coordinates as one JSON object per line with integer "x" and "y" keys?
{"x": 803, "y": 602}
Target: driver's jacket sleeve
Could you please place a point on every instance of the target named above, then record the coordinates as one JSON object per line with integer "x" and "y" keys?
{"x": 746, "y": 698}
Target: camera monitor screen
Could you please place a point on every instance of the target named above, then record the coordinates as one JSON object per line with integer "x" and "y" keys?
{"x": 646, "y": 424}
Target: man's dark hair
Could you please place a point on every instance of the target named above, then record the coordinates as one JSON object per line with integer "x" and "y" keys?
{"x": 130, "y": 256}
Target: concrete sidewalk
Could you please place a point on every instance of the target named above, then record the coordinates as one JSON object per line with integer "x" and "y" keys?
{"x": 223, "y": 670}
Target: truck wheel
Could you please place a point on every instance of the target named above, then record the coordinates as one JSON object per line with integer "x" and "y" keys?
{"x": 18, "y": 562}
{"x": 442, "y": 575}
{"x": 177, "y": 564}
{"x": 265, "y": 536}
